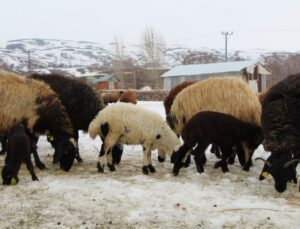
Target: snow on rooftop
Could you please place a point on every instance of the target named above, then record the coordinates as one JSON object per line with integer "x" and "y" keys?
{"x": 198, "y": 69}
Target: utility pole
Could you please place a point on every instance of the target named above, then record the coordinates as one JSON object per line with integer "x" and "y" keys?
{"x": 226, "y": 34}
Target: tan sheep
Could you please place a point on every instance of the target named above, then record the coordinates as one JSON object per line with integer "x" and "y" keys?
{"x": 229, "y": 95}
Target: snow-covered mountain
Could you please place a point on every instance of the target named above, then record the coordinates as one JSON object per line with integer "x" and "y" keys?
{"x": 65, "y": 54}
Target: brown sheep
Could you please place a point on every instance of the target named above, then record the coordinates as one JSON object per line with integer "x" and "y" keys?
{"x": 168, "y": 101}
{"x": 111, "y": 97}
{"x": 128, "y": 96}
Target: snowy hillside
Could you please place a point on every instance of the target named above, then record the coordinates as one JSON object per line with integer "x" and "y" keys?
{"x": 83, "y": 198}
{"x": 62, "y": 54}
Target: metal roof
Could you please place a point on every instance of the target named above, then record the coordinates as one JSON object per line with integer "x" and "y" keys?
{"x": 199, "y": 69}
{"x": 104, "y": 78}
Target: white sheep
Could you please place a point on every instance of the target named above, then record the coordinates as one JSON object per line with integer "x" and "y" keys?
{"x": 130, "y": 124}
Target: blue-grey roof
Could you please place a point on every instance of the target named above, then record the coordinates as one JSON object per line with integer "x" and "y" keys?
{"x": 104, "y": 78}
{"x": 199, "y": 69}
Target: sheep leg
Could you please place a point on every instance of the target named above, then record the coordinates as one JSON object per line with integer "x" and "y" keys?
{"x": 248, "y": 158}
{"x": 100, "y": 165}
{"x": 31, "y": 169}
{"x": 117, "y": 153}
{"x": 150, "y": 166}
{"x": 77, "y": 156}
{"x": 146, "y": 163}
{"x": 34, "y": 139}
{"x": 223, "y": 163}
{"x": 110, "y": 163}
{"x": 180, "y": 155}
{"x": 231, "y": 156}
{"x": 215, "y": 150}
{"x": 108, "y": 143}
{"x": 200, "y": 158}
{"x": 3, "y": 140}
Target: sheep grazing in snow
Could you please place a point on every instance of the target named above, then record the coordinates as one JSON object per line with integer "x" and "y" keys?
{"x": 168, "y": 102}
{"x": 129, "y": 124}
{"x": 111, "y": 97}
{"x": 37, "y": 106}
{"x": 281, "y": 127}
{"x": 18, "y": 151}
{"x": 128, "y": 96}
{"x": 201, "y": 129}
{"x": 229, "y": 95}
{"x": 81, "y": 102}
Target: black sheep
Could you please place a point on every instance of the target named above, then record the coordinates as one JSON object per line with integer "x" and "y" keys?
{"x": 224, "y": 130}
{"x": 282, "y": 168}
{"x": 18, "y": 151}
{"x": 281, "y": 128}
{"x": 81, "y": 102}
{"x": 39, "y": 109}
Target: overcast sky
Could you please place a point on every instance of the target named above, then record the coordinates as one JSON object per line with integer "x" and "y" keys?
{"x": 256, "y": 24}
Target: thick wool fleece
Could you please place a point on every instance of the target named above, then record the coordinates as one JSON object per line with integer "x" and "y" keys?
{"x": 131, "y": 124}
{"x": 80, "y": 100}
{"x": 229, "y": 95}
{"x": 33, "y": 103}
{"x": 168, "y": 101}
{"x": 280, "y": 116}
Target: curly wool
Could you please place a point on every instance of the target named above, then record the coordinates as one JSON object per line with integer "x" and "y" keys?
{"x": 229, "y": 95}
{"x": 80, "y": 100}
{"x": 280, "y": 116}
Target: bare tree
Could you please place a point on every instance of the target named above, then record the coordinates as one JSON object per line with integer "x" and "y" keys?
{"x": 153, "y": 49}
{"x": 119, "y": 55}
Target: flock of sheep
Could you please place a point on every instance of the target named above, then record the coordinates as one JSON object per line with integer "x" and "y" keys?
{"x": 223, "y": 112}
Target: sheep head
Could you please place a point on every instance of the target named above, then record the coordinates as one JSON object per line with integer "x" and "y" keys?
{"x": 65, "y": 151}
{"x": 9, "y": 176}
{"x": 282, "y": 168}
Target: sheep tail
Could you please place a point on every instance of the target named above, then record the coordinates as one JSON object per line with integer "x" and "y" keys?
{"x": 94, "y": 129}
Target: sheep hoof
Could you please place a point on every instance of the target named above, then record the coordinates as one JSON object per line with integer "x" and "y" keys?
{"x": 35, "y": 178}
{"x": 217, "y": 164}
{"x": 175, "y": 171}
{"x": 145, "y": 170}
{"x": 187, "y": 162}
{"x": 231, "y": 160}
{"x": 41, "y": 166}
{"x": 246, "y": 168}
{"x": 225, "y": 169}
{"x": 100, "y": 168}
{"x": 79, "y": 159}
{"x": 151, "y": 169}
{"x": 160, "y": 159}
{"x": 111, "y": 167}
{"x": 200, "y": 169}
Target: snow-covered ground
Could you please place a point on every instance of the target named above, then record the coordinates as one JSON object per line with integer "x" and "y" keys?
{"x": 83, "y": 198}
